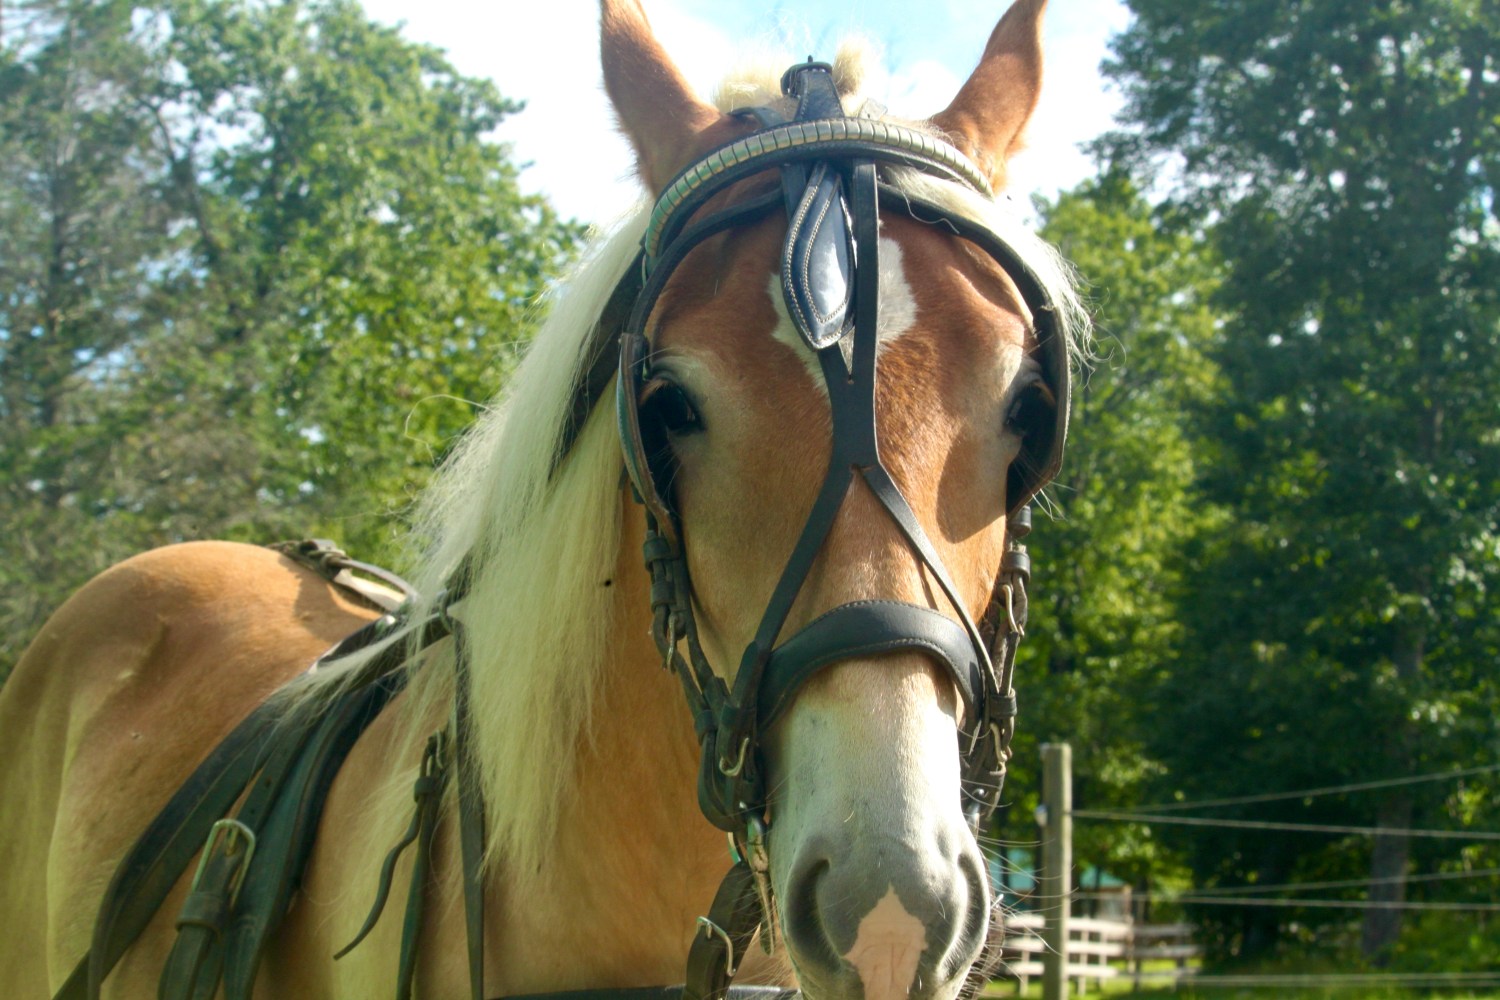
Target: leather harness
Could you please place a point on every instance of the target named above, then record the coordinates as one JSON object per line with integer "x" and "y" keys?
{"x": 289, "y": 749}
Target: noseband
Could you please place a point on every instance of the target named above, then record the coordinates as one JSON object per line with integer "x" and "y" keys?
{"x": 833, "y": 194}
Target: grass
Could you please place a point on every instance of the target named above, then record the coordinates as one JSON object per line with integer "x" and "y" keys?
{"x": 1148, "y": 991}
{"x": 1162, "y": 989}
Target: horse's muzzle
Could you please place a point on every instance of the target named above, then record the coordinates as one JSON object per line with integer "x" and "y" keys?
{"x": 884, "y": 920}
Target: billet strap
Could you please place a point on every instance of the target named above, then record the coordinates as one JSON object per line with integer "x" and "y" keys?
{"x": 228, "y": 915}
{"x": 290, "y": 827}
{"x": 161, "y": 854}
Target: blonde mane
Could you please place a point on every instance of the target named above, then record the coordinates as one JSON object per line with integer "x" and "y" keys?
{"x": 539, "y": 541}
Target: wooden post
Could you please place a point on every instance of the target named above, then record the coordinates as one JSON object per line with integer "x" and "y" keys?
{"x": 1057, "y": 864}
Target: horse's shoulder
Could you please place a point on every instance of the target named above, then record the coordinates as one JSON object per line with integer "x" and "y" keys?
{"x": 129, "y": 684}
{"x": 191, "y": 608}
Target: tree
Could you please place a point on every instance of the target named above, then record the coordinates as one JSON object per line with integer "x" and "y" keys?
{"x": 1107, "y": 564}
{"x": 264, "y": 255}
{"x": 1343, "y": 157}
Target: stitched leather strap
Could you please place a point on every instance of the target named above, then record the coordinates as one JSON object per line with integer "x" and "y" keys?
{"x": 159, "y": 856}
{"x": 470, "y": 812}
{"x": 723, "y": 936}
{"x": 868, "y": 628}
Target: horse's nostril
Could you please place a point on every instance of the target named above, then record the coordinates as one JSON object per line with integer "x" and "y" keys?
{"x": 968, "y": 943}
{"x": 802, "y": 916}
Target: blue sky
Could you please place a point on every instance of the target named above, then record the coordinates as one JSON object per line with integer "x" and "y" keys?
{"x": 545, "y": 52}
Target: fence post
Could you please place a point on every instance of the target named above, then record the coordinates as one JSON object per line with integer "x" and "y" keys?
{"x": 1056, "y": 817}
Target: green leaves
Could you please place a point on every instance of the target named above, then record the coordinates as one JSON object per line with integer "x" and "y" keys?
{"x": 1108, "y": 565}
{"x": 1340, "y": 160}
{"x": 266, "y": 262}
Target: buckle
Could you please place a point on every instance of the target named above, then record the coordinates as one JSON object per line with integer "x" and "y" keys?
{"x": 791, "y": 80}
{"x": 225, "y": 836}
{"x": 712, "y": 930}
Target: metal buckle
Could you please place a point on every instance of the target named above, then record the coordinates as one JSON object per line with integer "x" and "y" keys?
{"x": 711, "y": 930}
{"x": 671, "y": 649}
{"x": 733, "y": 769}
{"x": 1010, "y": 610}
{"x": 227, "y": 830}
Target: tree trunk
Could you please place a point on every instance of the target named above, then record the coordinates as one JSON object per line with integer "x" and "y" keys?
{"x": 1391, "y": 850}
{"x": 1388, "y": 858}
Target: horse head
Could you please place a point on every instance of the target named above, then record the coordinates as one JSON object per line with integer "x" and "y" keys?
{"x": 838, "y": 388}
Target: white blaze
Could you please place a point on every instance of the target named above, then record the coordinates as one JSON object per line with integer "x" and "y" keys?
{"x": 887, "y": 949}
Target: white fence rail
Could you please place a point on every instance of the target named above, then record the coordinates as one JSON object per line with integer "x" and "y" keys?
{"x": 1093, "y": 945}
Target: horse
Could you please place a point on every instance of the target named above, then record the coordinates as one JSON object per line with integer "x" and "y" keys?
{"x": 833, "y": 576}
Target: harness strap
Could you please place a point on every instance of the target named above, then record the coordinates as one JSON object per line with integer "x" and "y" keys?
{"x": 723, "y": 936}
{"x": 184, "y": 827}
{"x": 426, "y": 791}
{"x": 158, "y": 858}
{"x": 226, "y": 918}
{"x": 470, "y": 811}
{"x": 429, "y": 795}
{"x": 867, "y": 628}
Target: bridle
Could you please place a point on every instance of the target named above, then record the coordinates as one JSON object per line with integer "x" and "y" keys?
{"x": 833, "y": 195}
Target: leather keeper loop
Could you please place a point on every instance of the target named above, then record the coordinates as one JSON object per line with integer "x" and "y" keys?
{"x": 204, "y": 909}
{"x": 657, "y": 548}
{"x": 703, "y": 722}
{"x": 663, "y": 590}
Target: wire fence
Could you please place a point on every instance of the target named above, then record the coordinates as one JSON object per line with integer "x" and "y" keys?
{"x": 1282, "y": 895}
{"x": 1127, "y": 816}
{"x": 1312, "y": 793}
{"x": 1349, "y": 979}
{"x": 1348, "y": 883}
{"x": 1339, "y": 904}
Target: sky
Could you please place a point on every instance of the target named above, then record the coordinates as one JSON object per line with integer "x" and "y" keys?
{"x": 545, "y": 52}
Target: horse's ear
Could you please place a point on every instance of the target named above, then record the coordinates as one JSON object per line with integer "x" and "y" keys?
{"x": 989, "y": 115}
{"x": 659, "y": 113}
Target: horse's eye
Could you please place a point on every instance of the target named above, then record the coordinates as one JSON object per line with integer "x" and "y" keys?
{"x": 1031, "y": 405}
{"x": 669, "y": 404}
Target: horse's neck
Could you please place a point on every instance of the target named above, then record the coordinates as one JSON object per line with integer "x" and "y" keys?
{"x": 634, "y": 860}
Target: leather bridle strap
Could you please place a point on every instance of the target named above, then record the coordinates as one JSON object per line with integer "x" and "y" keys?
{"x": 471, "y": 821}
{"x": 863, "y": 629}
{"x": 723, "y": 937}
